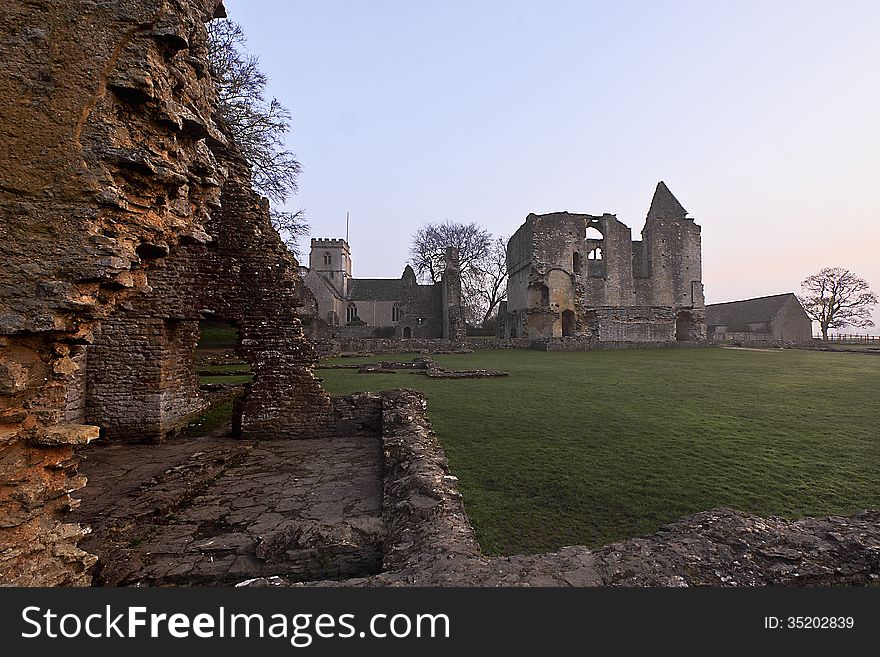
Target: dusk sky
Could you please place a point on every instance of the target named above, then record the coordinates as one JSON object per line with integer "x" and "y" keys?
{"x": 763, "y": 118}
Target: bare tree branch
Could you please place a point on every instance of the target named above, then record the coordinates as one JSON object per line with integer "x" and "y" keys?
{"x": 292, "y": 227}
{"x": 835, "y": 297}
{"x": 257, "y": 125}
{"x": 483, "y": 262}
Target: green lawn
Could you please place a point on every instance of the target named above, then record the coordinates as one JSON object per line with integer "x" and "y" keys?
{"x": 593, "y": 447}
{"x": 217, "y": 334}
{"x": 223, "y": 369}
{"x": 226, "y": 379}
{"x": 214, "y": 419}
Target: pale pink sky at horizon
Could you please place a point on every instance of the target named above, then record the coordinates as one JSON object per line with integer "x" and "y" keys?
{"x": 762, "y": 118}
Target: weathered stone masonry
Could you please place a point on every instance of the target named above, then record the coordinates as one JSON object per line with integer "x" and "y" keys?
{"x": 126, "y": 217}
{"x": 578, "y": 275}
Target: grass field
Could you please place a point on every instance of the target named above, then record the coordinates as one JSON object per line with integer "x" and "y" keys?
{"x": 593, "y": 447}
{"x": 216, "y": 334}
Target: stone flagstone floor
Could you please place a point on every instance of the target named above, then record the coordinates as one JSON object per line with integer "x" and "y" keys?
{"x": 216, "y": 511}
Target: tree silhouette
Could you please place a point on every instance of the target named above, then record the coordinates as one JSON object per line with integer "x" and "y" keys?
{"x": 835, "y": 297}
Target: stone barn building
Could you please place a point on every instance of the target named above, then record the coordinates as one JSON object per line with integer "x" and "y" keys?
{"x": 357, "y": 307}
{"x": 580, "y": 275}
{"x": 779, "y": 317}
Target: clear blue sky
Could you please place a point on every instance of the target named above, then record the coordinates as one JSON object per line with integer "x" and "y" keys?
{"x": 762, "y": 117}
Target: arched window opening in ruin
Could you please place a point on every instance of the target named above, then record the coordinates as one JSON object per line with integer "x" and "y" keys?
{"x": 407, "y": 332}
{"x": 351, "y": 313}
{"x": 685, "y": 327}
{"x": 328, "y": 259}
{"x": 567, "y": 323}
{"x": 576, "y": 263}
{"x": 545, "y": 295}
{"x": 594, "y": 233}
{"x": 395, "y": 312}
{"x": 595, "y": 254}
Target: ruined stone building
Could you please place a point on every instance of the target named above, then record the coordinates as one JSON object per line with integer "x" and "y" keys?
{"x": 127, "y": 215}
{"x": 582, "y": 276}
{"x": 356, "y": 307}
{"x": 778, "y": 317}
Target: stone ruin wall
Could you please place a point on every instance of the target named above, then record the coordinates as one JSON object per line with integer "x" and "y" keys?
{"x": 634, "y": 293}
{"x": 126, "y": 217}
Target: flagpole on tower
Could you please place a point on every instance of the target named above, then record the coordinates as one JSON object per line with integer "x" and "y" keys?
{"x": 346, "y": 227}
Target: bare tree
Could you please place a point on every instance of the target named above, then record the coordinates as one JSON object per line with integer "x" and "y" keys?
{"x": 257, "y": 125}
{"x": 835, "y": 297}
{"x": 487, "y": 280}
{"x": 292, "y": 227}
{"x": 482, "y": 259}
{"x": 429, "y": 244}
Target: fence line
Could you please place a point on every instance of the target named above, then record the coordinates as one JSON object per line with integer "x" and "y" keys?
{"x": 852, "y": 338}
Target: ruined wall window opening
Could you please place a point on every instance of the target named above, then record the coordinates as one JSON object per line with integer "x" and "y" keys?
{"x": 576, "y": 263}
{"x": 395, "y": 312}
{"x": 686, "y": 329}
{"x": 545, "y": 295}
{"x": 328, "y": 259}
{"x": 407, "y": 332}
{"x": 594, "y": 233}
{"x": 567, "y": 323}
{"x": 351, "y": 313}
{"x": 595, "y": 254}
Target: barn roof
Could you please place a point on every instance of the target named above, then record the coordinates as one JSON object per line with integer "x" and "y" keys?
{"x": 375, "y": 289}
{"x": 748, "y": 311}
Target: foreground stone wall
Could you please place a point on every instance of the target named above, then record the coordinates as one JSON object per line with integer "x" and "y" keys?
{"x": 127, "y": 216}
{"x": 104, "y": 163}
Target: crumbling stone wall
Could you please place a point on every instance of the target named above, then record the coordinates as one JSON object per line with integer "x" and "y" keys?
{"x": 579, "y": 275}
{"x": 454, "y": 325}
{"x": 141, "y": 385}
{"x": 104, "y": 109}
{"x": 422, "y": 315}
{"x": 126, "y": 216}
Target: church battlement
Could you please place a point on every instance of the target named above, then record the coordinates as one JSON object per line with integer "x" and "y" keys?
{"x": 329, "y": 243}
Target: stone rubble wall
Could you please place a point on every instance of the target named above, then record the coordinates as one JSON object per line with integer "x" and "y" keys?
{"x": 403, "y": 346}
{"x": 127, "y": 215}
{"x": 104, "y": 112}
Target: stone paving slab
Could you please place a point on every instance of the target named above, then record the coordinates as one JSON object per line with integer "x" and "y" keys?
{"x": 217, "y": 511}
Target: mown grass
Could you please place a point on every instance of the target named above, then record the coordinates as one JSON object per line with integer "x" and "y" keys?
{"x": 231, "y": 367}
{"x": 593, "y": 447}
{"x": 217, "y": 334}
{"x": 226, "y": 379}
{"x": 215, "y": 418}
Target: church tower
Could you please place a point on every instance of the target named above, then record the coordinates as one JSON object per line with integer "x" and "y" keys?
{"x": 332, "y": 259}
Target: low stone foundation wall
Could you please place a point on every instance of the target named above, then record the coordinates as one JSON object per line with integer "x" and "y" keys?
{"x": 406, "y": 346}
{"x": 354, "y": 415}
{"x": 424, "y": 516}
{"x": 585, "y": 344}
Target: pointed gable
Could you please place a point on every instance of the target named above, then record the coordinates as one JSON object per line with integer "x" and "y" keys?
{"x": 664, "y": 205}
